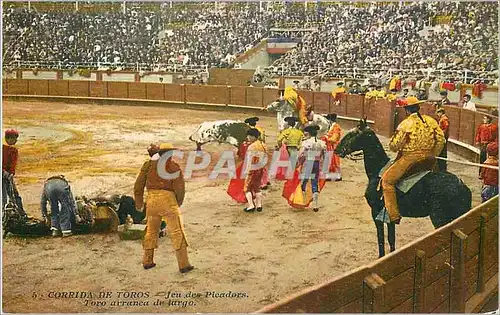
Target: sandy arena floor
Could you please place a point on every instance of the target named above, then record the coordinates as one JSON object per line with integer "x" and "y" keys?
{"x": 266, "y": 256}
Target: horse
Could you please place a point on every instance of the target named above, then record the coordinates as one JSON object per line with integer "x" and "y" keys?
{"x": 441, "y": 195}
{"x": 232, "y": 132}
{"x": 284, "y": 109}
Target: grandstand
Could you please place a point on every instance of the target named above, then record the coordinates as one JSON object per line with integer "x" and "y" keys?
{"x": 456, "y": 40}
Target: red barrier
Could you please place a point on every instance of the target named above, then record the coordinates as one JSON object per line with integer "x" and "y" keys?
{"x": 58, "y": 87}
{"x": 453, "y": 113}
{"x": 117, "y": 89}
{"x": 137, "y": 90}
{"x": 340, "y": 108}
{"x": 269, "y": 96}
{"x": 321, "y": 101}
{"x": 17, "y": 87}
{"x": 79, "y": 88}
{"x": 237, "y": 95}
{"x": 463, "y": 123}
{"x": 38, "y": 87}
{"x": 254, "y": 97}
{"x": 155, "y": 91}
{"x": 98, "y": 89}
{"x": 382, "y": 112}
{"x": 174, "y": 92}
{"x": 467, "y": 131}
{"x": 354, "y": 106}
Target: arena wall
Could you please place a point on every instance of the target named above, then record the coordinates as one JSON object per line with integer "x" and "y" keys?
{"x": 451, "y": 270}
{"x": 385, "y": 115}
{"x": 233, "y": 77}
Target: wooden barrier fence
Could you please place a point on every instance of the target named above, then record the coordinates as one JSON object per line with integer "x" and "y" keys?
{"x": 452, "y": 270}
{"x": 463, "y": 123}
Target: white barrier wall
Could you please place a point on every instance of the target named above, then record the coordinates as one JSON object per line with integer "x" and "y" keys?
{"x": 119, "y": 77}
{"x": 41, "y": 75}
{"x": 155, "y": 78}
{"x": 489, "y": 97}
{"x": 76, "y": 76}
{"x": 9, "y": 75}
{"x": 453, "y": 96}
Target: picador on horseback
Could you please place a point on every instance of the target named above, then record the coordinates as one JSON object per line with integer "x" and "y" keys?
{"x": 418, "y": 140}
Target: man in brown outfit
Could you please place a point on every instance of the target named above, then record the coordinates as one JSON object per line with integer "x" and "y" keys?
{"x": 165, "y": 196}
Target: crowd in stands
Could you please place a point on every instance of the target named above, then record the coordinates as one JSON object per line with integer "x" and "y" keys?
{"x": 213, "y": 34}
{"x": 390, "y": 36}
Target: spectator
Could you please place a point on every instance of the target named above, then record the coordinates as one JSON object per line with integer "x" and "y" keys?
{"x": 373, "y": 36}
{"x": 444, "y": 124}
{"x": 486, "y": 133}
{"x": 422, "y": 94}
{"x": 467, "y": 103}
{"x": 443, "y": 101}
{"x": 490, "y": 176}
{"x": 316, "y": 87}
{"x": 404, "y": 94}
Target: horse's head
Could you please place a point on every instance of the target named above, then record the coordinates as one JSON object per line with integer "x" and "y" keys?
{"x": 355, "y": 139}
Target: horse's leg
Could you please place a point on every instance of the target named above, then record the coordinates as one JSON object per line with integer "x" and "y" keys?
{"x": 380, "y": 238}
{"x": 391, "y": 234}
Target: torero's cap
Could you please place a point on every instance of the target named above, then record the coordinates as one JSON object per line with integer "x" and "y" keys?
{"x": 312, "y": 130}
{"x": 11, "y": 133}
{"x": 252, "y": 120}
{"x": 291, "y": 120}
{"x": 253, "y": 132}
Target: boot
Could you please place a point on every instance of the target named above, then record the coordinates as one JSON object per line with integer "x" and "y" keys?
{"x": 315, "y": 202}
{"x": 147, "y": 259}
{"x": 391, "y": 204}
{"x": 183, "y": 260}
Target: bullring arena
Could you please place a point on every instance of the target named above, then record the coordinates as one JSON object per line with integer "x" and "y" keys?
{"x": 95, "y": 131}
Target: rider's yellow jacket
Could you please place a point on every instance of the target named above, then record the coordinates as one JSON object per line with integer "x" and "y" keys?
{"x": 414, "y": 135}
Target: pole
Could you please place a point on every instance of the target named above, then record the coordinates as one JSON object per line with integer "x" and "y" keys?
{"x": 468, "y": 163}
{"x": 124, "y": 8}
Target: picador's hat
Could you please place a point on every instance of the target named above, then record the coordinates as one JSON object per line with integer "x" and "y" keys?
{"x": 412, "y": 101}
{"x": 253, "y": 132}
{"x": 166, "y": 147}
{"x": 252, "y": 120}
